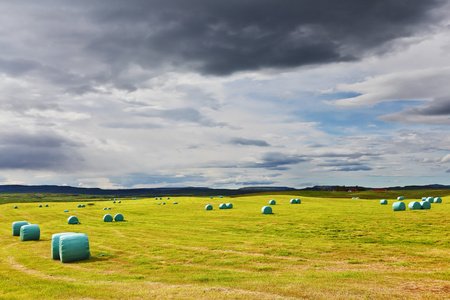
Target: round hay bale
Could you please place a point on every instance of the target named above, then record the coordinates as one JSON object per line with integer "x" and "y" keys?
{"x": 398, "y": 206}
{"x": 401, "y": 198}
{"x": 16, "y": 227}
{"x": 229, "y": 205}
{"x": 119, "y": 201}
{"x": 15, "y": 207}
{"x": 425, "y": 205}
{"x": 298, "y": 201}
{"x": 223, "y": 206}
{"x": 74, "y": 247}
{"x": 109, "y": 208}
{"x": 414, "y": 205}
{"x": 118, "y": 217}
{"x": 430, "y": 199}
{"x": 66, "y": 210}
{"x": 40, "y": 205}
{"x": 293, "y": 201}
{"x": 79, "y": 205}
{"x": 72, "y": 220}
{"x": 159, "y": 203}
{"x": 107, "y": 218}
{"x": 175, "y": 203}
{"x": 55, "y": 244}
{"x": 209, "y": 207}
{"x": 272, "y": 202}
{"x": 383, "y": 202}
{"x": 424, "y": 198}
{"x": 46, "y": 205}
{"x": 266, "y": 210}
{"x": 30, "y": 232}
{"x": 164, "y": 203}
{"x": 114, "y": 201}
{"x": 437, "y": 200}
{"x": 104, "y": 208}
{"x": 82, "y": 205}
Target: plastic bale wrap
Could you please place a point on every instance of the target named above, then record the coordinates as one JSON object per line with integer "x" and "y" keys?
{"x": 293, "y": 201}
{"x": 229, "y": 205}
{"x": 398, "y": 206}
{"x": 266, "y": 210}
{"x": 16, "y": 207}
{"x": 107, "y": 218}
{"x": 414, "y": 205}
{"x": 298, "y": 201}
{"x": 425, "y": 205}
{"x": 66, "y": 210}
{"x": 72, "y": 220}
{"x": 118, "y": 217}
{"x": 40, "y": 205}
{"x": 74, "y": 247}
{"x": 401, "y": 198}
{"x": 30, "y": 232}
{"x": 272, "y": 202}
{"x": 175, "y": 203}
{"x": 208, "y": 207}
{"x": 430, "y": 199}
{"x": 437, "y": 200}
{"x": 16, "y": 227}
{"x": 383, "y": 202}
{"x": 223, "y": 206}
{"x": 55, "y": 244}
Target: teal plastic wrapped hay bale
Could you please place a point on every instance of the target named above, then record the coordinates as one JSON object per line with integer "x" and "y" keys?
{"x": 430, "y": 199}
{"x": 46, "y": 205}
{"x": 298, "y": 201}
{"x": 414, "y": 205}
{"x": 437, "y": 200}
{"x": 74, "y": 247}
{"x": 118, "y": 217}
{"x": 55, "y": 244}
{"x": 293, "y": 201}
{"x": 229, "y": 205}
{"x": 30, "y": 232}
{"x": 175, "y": 203}
{"x": 66, "y": 210}
{"x": 119, "y": 201}
{"x": 16, "y": 207}
{"x": 266, "y": 210}
{"x": 16, "y": 227}
{"x": 425, "y": 205}
{"x": 272, "y": 202}
{"x": 72, "y": 220}
{"x": 107, "y": 218}
{"x": 209, "y": 207}
{"x": 40, "y": 205}
{"x": 222, "y": 206}
{"x": 401, "y": 198}
{"x": 398, "y": 206}
{"x": 383, "y": 202}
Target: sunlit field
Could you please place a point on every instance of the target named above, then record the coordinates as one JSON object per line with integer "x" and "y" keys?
{"x": 323, "y": 248}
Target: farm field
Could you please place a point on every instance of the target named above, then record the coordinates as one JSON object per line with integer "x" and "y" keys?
{"x": 323, "y": 248}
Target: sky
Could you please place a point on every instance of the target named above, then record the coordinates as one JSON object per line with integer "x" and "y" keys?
{"x": 224, "y": 94}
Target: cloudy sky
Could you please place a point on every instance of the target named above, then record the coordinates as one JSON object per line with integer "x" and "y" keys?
{"x": 152, "y": 93}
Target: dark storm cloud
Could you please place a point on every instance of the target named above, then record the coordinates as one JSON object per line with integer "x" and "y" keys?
{"x": 435, "y": 112}
{"x": 277, "y": 161}
{"x": 221, "y": 37}
{"x": 38, "y": 151}
{"x": 353, "y": 169}
{"x": 248, "y": 142}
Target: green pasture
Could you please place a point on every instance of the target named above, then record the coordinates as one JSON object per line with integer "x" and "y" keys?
{"x": 323, "y": 248}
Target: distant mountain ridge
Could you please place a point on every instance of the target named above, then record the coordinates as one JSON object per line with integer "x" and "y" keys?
{"x": 183, "y": 191}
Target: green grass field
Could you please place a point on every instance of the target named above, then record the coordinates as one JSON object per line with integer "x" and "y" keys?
{"x": 324, "y": 248}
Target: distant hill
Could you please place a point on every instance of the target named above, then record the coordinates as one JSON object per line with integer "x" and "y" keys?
{"x": 186, "y": 191}
{"x": 180, "y": 191}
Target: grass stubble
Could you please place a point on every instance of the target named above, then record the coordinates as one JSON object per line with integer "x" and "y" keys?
{"x": 324, "y": 248}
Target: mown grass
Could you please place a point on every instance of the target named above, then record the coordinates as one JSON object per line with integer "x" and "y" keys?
{"x": 324, "y": 248}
